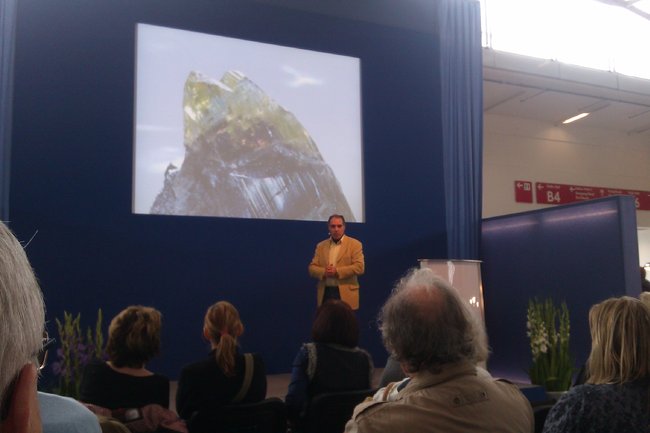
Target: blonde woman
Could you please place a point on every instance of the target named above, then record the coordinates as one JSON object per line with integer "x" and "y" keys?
{"x": 124, "y": 381}
{"x": 616, "y": 395}
{"x": 645, "y": 298}
{"x": 220, "y": 379}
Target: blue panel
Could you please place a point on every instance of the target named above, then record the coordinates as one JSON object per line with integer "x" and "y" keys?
{"x": 580, "y": 253}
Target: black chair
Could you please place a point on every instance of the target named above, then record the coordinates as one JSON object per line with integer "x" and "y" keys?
{"x": 328, "y": 413}
{"x": 266, "y": 416}
{"x": 540, "y": 412}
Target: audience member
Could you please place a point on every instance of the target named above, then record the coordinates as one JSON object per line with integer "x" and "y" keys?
{"x": 645, "y": 298}
{"x": 226, "y": 376}
{"x": 66, "y": 415}
{"x": 615, "y": 396}
{"x": 645, "y": 284}
{"x": 392, "y": 372}
{"x": 434, "y": 336}
{"x": 394, "y": 375}
{"x": 21, "y": 338}
{"x": 332, "y": 362}
{"x": 123, "y": 381}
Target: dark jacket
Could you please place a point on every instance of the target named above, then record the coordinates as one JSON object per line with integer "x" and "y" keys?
{"x": 204, "y": 386}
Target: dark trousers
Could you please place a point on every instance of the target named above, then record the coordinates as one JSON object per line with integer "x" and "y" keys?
{"x": 331, "y": 292}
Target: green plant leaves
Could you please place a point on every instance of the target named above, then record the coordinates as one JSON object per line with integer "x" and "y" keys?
{"x": 77, "y": 349}
{"x": 548, "y": 330}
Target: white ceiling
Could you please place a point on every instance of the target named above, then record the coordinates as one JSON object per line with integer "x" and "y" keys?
{"x": 521, "y": 86}
{"x": 639, "y": 7}
{"x": 548, "y": 91}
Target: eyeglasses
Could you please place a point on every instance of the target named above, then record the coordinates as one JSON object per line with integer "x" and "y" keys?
{"x": 336, "y": 226}
{"x": 41, "y": 356}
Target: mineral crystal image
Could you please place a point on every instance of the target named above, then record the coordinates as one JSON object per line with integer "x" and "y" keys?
{"x": 246, "y": 157}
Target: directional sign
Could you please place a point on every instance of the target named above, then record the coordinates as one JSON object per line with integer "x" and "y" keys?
{"x": 641, "y": 198}
{"x": 557, "y": 193}
{"x": 523, "y": 191}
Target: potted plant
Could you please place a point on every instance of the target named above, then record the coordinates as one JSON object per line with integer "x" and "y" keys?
{"x": 76, "y": 350}
{"x": 549, "y": 331}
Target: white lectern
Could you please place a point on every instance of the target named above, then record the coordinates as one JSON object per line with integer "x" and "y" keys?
{"x": 465, "y": 276}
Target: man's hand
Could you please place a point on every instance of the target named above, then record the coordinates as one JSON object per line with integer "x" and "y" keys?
{"x": 330, "y": 271}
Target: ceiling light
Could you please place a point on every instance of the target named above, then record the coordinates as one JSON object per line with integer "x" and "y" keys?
{"x": 574, "y": 118}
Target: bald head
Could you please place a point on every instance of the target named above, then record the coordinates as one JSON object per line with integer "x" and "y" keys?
{"x": 426, "y": 325}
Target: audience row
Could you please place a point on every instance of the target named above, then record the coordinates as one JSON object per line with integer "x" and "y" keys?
{"x": 433, "y": 338}
{"x": 331, "y": 362}
{"x": 427, "y": 329}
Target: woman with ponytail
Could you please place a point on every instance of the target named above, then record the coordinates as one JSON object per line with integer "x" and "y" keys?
{"x": 123, "y": 381}
{"x": 226, "y": 376}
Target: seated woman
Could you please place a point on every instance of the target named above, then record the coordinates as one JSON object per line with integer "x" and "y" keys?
{"x": 226, "y": 376}
{"x": 615, "y": 395}
{"x": 123, "y": 381}
{"x": 645, "y": 298}
{"x": 331, "y": 363}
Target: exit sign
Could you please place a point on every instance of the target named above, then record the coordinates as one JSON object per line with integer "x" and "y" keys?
{"x": 523, "y": 191}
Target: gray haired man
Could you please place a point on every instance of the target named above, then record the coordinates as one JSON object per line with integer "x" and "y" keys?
{"x": 438, "y": 343}
{"x": 21, "y": 338}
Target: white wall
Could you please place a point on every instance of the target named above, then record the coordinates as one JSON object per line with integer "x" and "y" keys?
{"x": 644, "y": 246}
{"x": 522, "y": 149}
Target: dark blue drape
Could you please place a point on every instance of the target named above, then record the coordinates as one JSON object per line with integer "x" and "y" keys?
{"x": 461, "y": 77}
{"x": 7, "y": 36}
{"x": 461, "y": 95}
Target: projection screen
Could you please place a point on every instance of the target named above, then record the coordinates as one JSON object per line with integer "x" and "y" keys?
{"x": 227, "y": 127}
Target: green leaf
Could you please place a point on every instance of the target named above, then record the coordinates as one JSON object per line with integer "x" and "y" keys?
{"x": 548, "y": 328}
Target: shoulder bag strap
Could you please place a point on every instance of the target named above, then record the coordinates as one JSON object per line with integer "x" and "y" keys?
{"x": 248, "y": 378}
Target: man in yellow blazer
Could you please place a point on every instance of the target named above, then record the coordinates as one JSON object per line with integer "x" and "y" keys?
{"x": 337, "y": 262}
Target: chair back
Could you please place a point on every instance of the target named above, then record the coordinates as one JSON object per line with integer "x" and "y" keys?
{"x": 266, "y": 416}
{"x": 329, "y": 412}
{"x": 540, "y": 412}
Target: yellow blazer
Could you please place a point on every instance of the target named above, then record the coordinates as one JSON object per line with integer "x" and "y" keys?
{"x": 349, "y": 264}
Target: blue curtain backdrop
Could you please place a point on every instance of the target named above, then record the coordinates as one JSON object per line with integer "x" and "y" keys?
{"x": 7, "y": 35}
{"x": 461, "y": 78}
{"x": 462, "y": 119}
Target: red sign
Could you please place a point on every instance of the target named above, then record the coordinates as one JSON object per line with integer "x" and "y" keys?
{"x": 523, "y": 191}
{"x": 556, "y": 193}
{"x": 641, "y": 198}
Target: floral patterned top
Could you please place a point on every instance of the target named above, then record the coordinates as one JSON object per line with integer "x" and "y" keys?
{"x": 605, "y": 408}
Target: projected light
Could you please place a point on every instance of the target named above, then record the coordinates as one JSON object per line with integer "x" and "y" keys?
{"x": 232, "y": 128}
